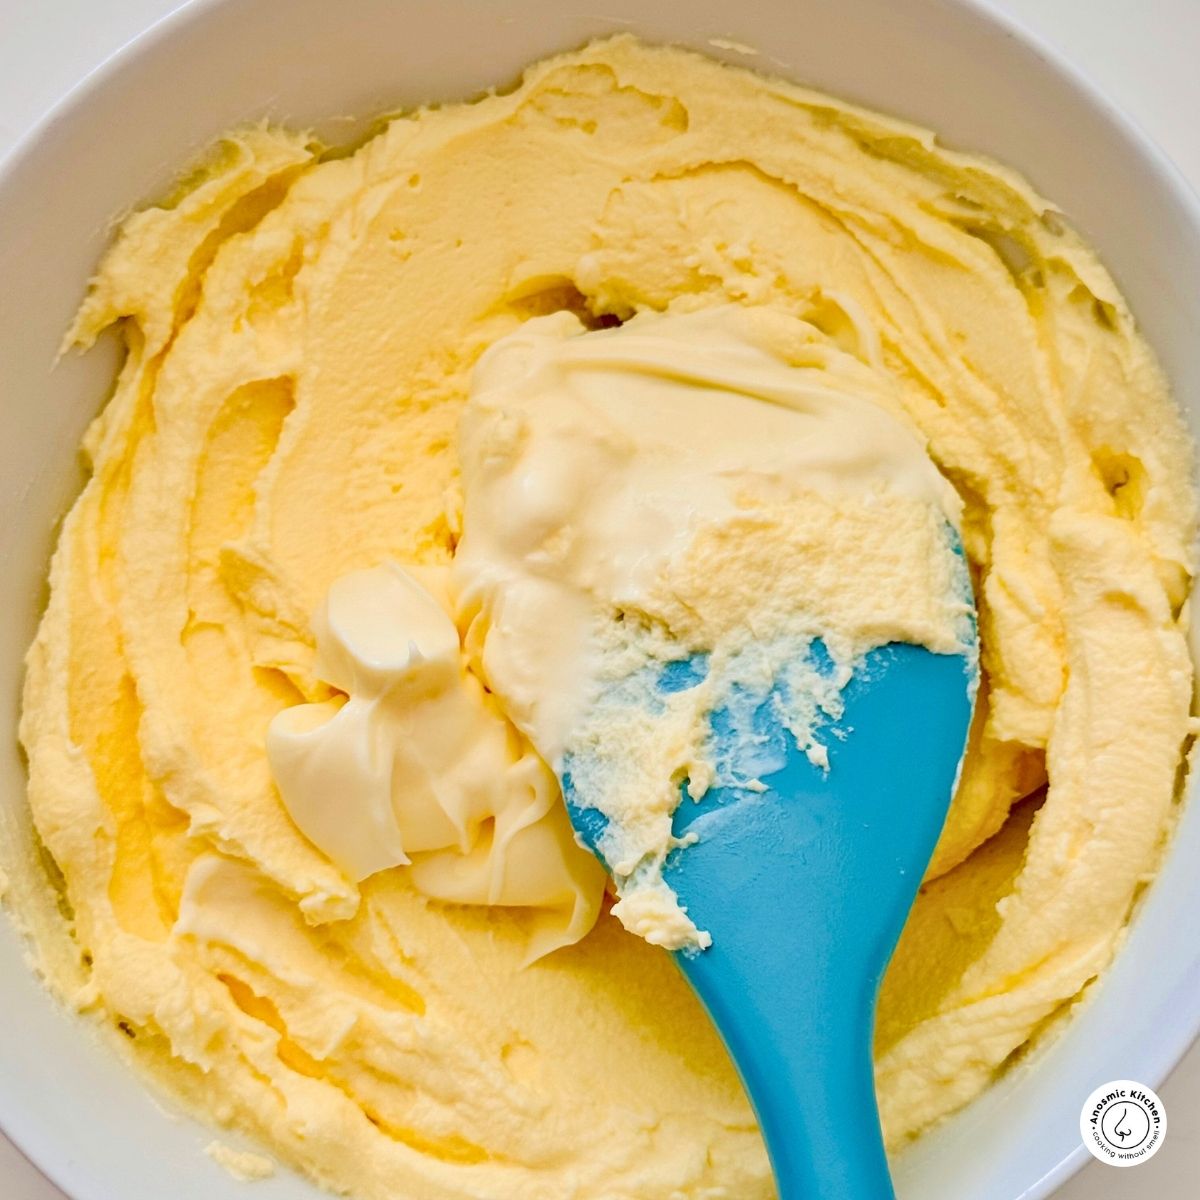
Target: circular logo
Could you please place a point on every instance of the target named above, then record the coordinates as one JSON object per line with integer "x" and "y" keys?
{"x": 1123, "y": 1123}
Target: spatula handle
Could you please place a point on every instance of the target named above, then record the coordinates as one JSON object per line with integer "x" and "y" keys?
{"x": 806, "y": 1062}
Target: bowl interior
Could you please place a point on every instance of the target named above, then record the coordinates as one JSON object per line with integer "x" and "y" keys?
{"x": 950, "y": 64}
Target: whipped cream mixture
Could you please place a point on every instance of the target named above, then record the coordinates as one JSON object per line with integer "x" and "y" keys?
{"x": 720, "y": 482}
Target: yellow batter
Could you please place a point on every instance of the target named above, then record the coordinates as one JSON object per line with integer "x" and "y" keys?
{"x": 300, "y": 338}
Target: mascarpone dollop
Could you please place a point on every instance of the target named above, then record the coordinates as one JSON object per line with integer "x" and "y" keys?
{"x": 414, "y": 764}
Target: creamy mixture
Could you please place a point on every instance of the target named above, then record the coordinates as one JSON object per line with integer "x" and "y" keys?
{"x": 280, "y": 738}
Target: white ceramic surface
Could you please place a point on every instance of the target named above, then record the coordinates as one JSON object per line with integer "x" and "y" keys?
{"x": 89, "y": 1124}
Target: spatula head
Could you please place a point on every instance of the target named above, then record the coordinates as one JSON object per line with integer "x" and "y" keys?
{"x": 868, "y": 817}
{"x": 804, "y": 887}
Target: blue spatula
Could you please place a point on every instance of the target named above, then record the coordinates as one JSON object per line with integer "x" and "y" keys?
{"x": 804, "y": 888}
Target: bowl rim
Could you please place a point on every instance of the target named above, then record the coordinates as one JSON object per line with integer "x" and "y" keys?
{"x": 1136, "y": 142}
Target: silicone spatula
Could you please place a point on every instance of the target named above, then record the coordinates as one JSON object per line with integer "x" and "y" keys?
{"x": 804, "y": 888}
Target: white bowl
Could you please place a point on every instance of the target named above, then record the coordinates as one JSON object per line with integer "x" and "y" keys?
{"x": 115, "y": 142}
